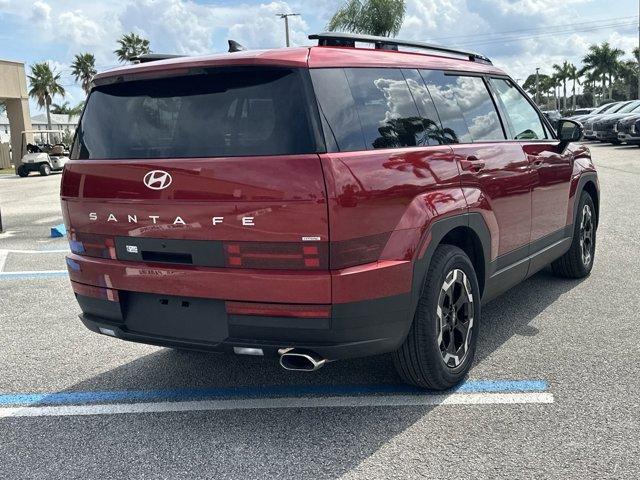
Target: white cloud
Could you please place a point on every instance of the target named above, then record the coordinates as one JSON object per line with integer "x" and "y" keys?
{"x": 79, "y": 29}
{"x": 41, "y": 12}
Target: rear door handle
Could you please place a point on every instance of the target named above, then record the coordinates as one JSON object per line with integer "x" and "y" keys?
{"x": 472, "y": 164}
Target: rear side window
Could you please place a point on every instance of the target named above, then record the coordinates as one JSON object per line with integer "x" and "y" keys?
{"x": 221, "y": 113}
{"x": 441, "y": 88}
{"x": 388, "y": 115}
{"x": 524, "y": 119}
{"x": 430, "y": 121}
{"x": 457, "y": 97}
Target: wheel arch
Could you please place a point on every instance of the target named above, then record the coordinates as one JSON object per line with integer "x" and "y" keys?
{"x": 467, "y": 231}
{"x": 587, "y": 182}
{"x": 590, "y": 187}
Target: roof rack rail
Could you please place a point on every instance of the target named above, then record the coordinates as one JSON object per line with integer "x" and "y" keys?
{"x": 339, "y": 39}
{"x": 153, "y": 57}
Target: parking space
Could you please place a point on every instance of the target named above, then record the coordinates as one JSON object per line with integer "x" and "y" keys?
{"x": 555, "y": 379}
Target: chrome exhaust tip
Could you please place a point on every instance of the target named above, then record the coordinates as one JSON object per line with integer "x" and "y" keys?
{"x": 301, "y": 361}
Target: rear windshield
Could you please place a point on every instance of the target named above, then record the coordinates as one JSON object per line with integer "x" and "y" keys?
{"x": 217, "y": 114}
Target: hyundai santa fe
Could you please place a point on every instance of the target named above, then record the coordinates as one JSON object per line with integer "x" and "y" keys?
{"x": 320, "y": 203}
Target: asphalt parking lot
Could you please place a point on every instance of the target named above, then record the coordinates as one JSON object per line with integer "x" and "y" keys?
{"x": 570, "y": 348}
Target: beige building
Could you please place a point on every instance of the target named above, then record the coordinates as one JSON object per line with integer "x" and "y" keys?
{"x": 14, "y": 94}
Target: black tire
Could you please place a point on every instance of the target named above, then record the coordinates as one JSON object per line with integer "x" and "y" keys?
{"x": 576, "y": 263}
{"x": 420, "y": 361}
{"x": 22, "y": 171}
{"x": 44, "y": 169}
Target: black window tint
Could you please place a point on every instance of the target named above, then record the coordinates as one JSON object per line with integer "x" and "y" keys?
{"x": 337, "y": 105}
{"x": 441, "y": 89}
{"x": 524, "y": 119}
{"x": 430, "y": 122}
{"x": 222, "y": 113}
{"x": 387, "y": 112}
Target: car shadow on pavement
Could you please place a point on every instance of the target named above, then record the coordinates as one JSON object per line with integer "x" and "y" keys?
{"x": 304, "y": 443}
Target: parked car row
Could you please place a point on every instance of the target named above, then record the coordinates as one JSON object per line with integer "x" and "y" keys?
{"x": 616, "y": 123}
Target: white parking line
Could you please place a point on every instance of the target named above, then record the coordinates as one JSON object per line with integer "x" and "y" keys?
{"x": 30, "y": 252}
{"x": 280, "y": 403}
{"x": 3, "y": 258}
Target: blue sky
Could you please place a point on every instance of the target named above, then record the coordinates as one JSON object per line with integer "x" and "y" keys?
{"x": 518, "y": 35}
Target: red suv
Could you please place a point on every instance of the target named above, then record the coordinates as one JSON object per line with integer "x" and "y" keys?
{"x": 320, "y": 203}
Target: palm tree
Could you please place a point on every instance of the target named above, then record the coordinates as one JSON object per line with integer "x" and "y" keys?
{"x": 591, "y": 79}
{"x": 627, "y": 74}
{"x": 574, "y": 76}
{"x": 45, "y": 84}
{"x": 604, "y": 60}
{"x": 60, "y": 108}
{"x": 562, "y": 73}
{"x": 131, "y": 46}
{"x": 373, "y": 17}
{"x": 83, "y": 68}
{"x": 66, "y": 109}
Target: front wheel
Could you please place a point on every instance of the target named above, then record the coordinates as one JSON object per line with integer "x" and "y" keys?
{"x": 44, "y": 169}
{"x": 22, "y": 171}
{"x": 441, "y": 343}
{"x": 578, "y": 261}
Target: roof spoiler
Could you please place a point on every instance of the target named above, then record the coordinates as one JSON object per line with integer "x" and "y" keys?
{"x": 339, "y": 39}
{"x": 153, "y": 57}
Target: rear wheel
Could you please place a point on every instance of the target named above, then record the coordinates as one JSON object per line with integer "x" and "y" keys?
{"x": 440, "y": 346}
{"x": 44, "y": 169}
{"x": 578, "y": 261}
{"x": 22, "y": 171}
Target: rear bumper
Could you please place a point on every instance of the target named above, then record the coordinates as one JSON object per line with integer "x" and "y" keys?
{"x": 352, "y": 330}
{"x": 369, "y": 306}
{"x": 606, "y": 135}
{"x": 628, "y": 138}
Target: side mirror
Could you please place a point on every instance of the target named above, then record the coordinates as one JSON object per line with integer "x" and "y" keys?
{"x": 569, "y": 131}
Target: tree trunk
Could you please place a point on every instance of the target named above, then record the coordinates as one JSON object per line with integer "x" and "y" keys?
{"x": 573, "y": 96}
{"x": 610, "y": 86}
{"x": 47, "y": 106}
{"x": 564, "y": 95}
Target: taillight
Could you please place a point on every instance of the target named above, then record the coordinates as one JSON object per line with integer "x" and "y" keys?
{"x": 357, "y": 251}
{"x": 294, "y": 256}
{"x": 278, "y": 310}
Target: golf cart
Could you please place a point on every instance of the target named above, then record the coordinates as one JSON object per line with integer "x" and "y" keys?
{"x": 42, "y": 151}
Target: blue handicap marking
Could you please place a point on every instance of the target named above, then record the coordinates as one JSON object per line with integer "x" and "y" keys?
{"x": 58, "y": 231}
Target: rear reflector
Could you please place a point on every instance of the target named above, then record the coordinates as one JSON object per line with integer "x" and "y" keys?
{"x": 278, "y": 310}
{"x": 107, "y": 331}
{"x": 92, "y": 245}
{"x": 248, "y": 351}
{"x": 293, "y": 256}
{"x": 357, "y": 251}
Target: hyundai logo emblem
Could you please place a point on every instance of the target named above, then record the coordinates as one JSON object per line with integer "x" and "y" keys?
{"x": 157, "y": 179}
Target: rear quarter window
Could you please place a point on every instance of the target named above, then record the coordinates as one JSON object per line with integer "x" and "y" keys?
{"x": 224, "y": 112}
{"x": 373, "y": 108}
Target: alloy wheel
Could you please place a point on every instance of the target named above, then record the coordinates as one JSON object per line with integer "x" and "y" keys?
{"x": 586, "y": 235}
{"x": 455, "y": 314}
